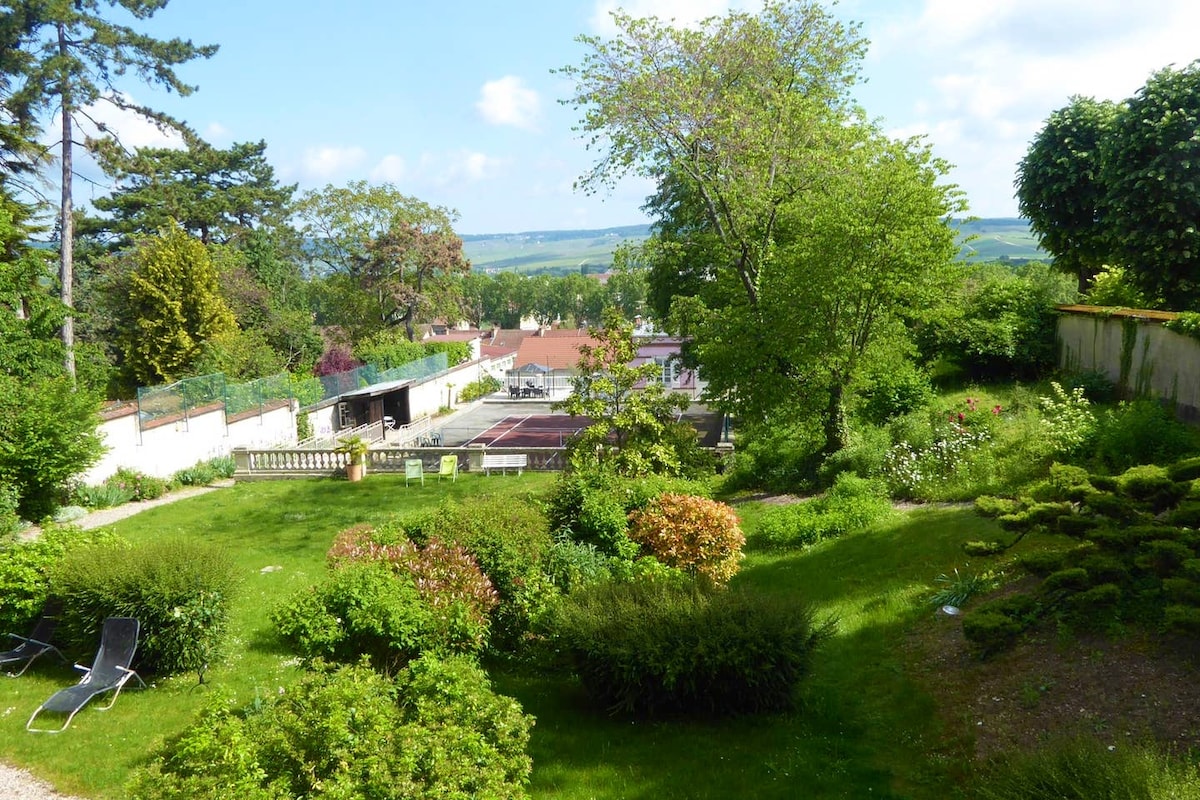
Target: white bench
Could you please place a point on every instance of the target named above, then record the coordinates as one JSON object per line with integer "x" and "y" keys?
{"x": 504, "y": 462}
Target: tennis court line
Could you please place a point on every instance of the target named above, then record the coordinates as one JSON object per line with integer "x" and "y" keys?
{"x": 511, "y": 428}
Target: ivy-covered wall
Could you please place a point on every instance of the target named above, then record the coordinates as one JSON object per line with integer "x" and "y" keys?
{"x": 1135, "y": 351}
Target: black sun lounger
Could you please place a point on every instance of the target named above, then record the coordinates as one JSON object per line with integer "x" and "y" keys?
{"x": 37, "y": 643}
{"x": 109, "y": 673}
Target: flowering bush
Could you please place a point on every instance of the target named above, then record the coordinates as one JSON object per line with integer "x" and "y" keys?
{"x": 914, "y": 471}
{"x": 138, "y": 485}
{"x": 445, "y": 575}
{"x": 695, "y": 534}
{"x": 1067, "y": 420}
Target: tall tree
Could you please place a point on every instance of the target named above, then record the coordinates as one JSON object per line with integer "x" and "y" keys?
{"x": 1060, "y": 188}
{"x": 177, "y": 307}
{"x": 394, "y": 255}
{"x": 742, "y": 110}
{"x": 1151, "y": 169}
{"x": 216, "y": 195}
{"x": 72, "y": 55}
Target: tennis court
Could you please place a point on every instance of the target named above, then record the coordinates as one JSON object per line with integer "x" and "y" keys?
{"x": 532, "y": 430}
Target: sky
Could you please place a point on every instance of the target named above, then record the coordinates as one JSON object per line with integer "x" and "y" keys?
{"x": 457, "y": 103}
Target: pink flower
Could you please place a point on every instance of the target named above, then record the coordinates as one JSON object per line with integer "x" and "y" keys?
{"x": 996, "y": 409}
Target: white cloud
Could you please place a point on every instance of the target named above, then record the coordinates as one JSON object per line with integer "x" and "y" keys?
{"x": 390, "y": 169}
{"x": 326, "y": 163}
{"x": 464, "y": 166}
{"x": 981, "y": 78}
{"x": 681, "y": 12}
{"x": 130, "y": 128}
{"x": 216, "y": 130}
{"x": 507, "y": 101}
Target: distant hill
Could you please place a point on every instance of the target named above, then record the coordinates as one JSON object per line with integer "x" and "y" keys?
{"x": 550, "y": 251}
{"x": 1000, "y": 239}
{"x": 560, "y": 252}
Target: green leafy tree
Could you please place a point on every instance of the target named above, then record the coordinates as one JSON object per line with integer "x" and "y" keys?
{"x": 1150, "y": 166}
{"x": 71, "y": 54}
{"x": 216, "y": 195}
{"x": 47, "y": 436}
{"x": 1060, "y": 188}
{"x": 634, "y": 429}
{"x": 177, "y": 307}
{"x": 398, "y": 256}
{"x": 29, "y": 314}
{"x": 742, "y": 110}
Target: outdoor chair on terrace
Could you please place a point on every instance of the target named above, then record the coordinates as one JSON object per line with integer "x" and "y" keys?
{"x": 448, "y": 468}
{"x": 36, "y": 644}
{"x": 414, "y": 470}
{"x": 109, "y": 672}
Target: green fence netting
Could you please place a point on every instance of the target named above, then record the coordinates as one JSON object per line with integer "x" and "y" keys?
{"x": 176, "y": 401}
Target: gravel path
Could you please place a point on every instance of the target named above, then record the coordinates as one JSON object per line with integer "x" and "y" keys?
{"x": 19, "y": 784}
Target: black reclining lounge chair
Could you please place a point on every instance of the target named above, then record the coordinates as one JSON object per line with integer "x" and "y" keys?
{"x": 37, "y": 643}
{"x": 109, "y": 672}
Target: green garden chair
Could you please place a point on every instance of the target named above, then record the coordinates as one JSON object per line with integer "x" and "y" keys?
{"x": 414, "y": 469}
{"x": 448, "y": 468}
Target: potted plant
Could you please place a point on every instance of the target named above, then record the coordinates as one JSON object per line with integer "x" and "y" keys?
{"x": 356, "y": 447}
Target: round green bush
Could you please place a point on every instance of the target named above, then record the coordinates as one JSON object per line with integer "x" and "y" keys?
{"x": 661, "y": 647}
{"x": 368, "y": 609}
{"x": 178, "y": 589}
{"x": 437, "y": 731}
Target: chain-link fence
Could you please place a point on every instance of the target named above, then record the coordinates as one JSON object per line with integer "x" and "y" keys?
{"x": 257, "y": 394}
{"x": 367, "y": 375}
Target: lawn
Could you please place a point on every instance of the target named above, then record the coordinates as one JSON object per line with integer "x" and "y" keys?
{"x": 863, "y": 728}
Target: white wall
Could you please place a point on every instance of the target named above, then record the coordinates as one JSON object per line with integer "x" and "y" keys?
{"x": 167, "y": 448}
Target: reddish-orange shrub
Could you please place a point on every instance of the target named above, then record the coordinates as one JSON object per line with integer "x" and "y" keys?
{"x": 695, "y": 534}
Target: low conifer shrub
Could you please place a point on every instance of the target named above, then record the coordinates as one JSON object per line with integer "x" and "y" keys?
{"x": 653, "y": 647}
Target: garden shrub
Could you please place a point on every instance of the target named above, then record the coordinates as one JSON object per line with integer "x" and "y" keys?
{"x": 659, "y": 647}
{"x": 105, "y": 495}
{"x": 1076, "y": 525}
{"x": 1042, "y": 562}
{"x": 1182, "y": 619}
{"x": 1105, "y": 568}
{"x": 1140, "y": 432}
{"x": 995, "y": 625}
{"x": 990, "y": 506}
{"x": 474, "y": 390}
{"x": 1094, "y": 606}
{"x": 1084, "y": 769}
{"x": 1150, "y": 485}
{"x": 10, "y": 520}
{"x": 139, "y": 485}
{"x": 699, "y": 536}
{"x": 1162, "y": 557}
{"x": 1186, "y": 515}
{"x": 1071, "y": 579}
{"x": 447, "y": 576}
{"x": 48, "y": 435}
{"x": 197, "y": 475}
{"x": 571, "y": 565}
{"x": 864, "y": 456}
{"x": 508, "y": 538}
{"x": 777, "y": 455}
{"x": 368, "y": 609}
{"x": 891, "y": 389}
{"x": 1068, "y": 482}
{"x": 25, "y": 568}
{"x": 178, "y": 589}
{"x": 437, "y": 731}
{"x": 593, "y": 506}
{"x": 1068, "y": 423}
{"x": 1118, "y": 509}
{"x": 851, "y": 504}
{"x": 1186, "y": 470}
{"x": 1182, "y": 590}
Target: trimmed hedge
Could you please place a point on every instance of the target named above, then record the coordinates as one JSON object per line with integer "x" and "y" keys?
{"x": 178, "y": 589}
{"x": 661, "y": 647}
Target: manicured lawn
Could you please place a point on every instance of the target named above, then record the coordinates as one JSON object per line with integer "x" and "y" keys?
{"x": 864, "y": 729}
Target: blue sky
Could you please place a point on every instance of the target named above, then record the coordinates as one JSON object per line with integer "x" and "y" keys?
{"x": 455, "y": 102}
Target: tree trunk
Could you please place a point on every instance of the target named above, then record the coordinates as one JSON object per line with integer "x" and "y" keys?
{"x": 66, "y": 262}
{"x": 837, "y": 432}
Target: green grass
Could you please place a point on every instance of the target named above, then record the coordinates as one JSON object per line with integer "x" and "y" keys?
{"x": 862, "y": 729}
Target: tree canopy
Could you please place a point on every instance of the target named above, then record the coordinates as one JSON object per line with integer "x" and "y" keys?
{"x": 396, "y": 256}
{"x": 1116, "y": 185}
{"x": 70, "y": 55}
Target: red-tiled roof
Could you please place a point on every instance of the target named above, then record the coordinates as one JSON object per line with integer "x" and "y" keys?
{"x": 509, "y": 338}
{"x": 455, "y": 336}
{"x": 555, "y": 352}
